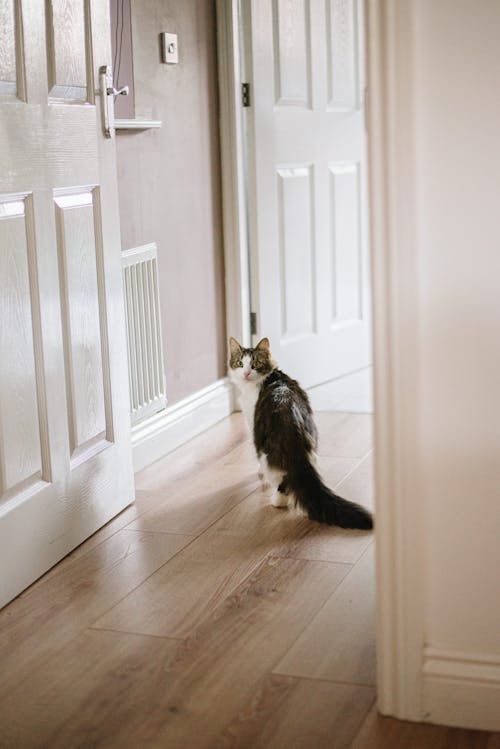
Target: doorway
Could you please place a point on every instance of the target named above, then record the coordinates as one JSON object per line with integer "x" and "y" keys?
{"x": 292, "y": 80}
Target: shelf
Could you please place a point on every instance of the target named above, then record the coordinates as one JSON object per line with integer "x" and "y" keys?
{"x": 136, "y": 124}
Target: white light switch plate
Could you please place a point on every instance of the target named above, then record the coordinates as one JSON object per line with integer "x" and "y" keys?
{"x": 169, "y": 47}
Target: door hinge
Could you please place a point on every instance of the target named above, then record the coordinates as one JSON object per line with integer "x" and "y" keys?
{"x": 245, "y": 94}
{"x": 253, "y": 323}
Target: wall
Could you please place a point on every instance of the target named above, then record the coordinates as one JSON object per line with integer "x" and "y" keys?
{"x": 169, "y": 186}
{"x": 435, "y": 132}
{"x": 459, "y": 272}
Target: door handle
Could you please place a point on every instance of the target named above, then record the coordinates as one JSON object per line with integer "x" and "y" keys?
{"x": 107, "y": 93}
{"x": 123, "y": 91}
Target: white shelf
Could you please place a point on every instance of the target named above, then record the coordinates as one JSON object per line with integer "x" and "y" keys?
{"x": 136, "y": 124}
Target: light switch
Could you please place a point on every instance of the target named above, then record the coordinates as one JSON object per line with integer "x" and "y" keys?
{"x": 169, "y": 48}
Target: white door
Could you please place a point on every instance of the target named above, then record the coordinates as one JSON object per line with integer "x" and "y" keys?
{"x": 307, "y": 177}
{"x": 65, "y": 457}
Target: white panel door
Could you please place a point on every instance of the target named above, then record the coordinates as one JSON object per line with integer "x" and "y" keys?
{"x": 65, "y": 456}
{"x": 307, "y": 177}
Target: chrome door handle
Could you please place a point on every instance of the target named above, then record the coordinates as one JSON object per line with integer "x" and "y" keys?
{"x": 107, "y": 93}
{"x": 107, "y": 101}
{"x": 123, "y": 91}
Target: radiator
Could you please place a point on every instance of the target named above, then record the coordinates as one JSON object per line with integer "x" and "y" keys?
{"x": 145, "y": 354}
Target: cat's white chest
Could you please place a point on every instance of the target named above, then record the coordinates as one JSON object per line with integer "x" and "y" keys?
{"x": 249, "y": 393}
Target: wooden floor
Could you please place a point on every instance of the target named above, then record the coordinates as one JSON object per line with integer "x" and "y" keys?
{"x": 204, "y": 617}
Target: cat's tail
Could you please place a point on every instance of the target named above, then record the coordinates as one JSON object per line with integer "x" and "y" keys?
{"x": 320, "y": 503}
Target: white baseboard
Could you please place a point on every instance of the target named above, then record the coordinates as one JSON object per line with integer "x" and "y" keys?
{"x": 165, "y": 431}
{"x": 461, "y": 689}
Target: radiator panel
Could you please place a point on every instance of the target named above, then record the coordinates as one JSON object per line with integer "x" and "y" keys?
{"x": 142, "y": 306}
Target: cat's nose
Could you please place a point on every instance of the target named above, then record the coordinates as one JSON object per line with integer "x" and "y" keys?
{"x": 246, "y": 375}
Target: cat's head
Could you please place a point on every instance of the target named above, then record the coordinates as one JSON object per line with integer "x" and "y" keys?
{"x": 250, "y": 364}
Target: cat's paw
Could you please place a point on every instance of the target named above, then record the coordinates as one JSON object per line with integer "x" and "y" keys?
{"x": 279, "y": 499}
{"x": 265, "y": 483}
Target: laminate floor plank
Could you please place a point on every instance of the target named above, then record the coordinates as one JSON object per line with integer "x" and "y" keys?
{"x": 192, "y": 505}
{"x": 344, "y": 435}
{"x": 101, "y": 689}
{"x": 243, "y": 455}
{"x": 40, "y": 621}
{"x": 201, "y": 451}
{"x": 339, "y": 644}
{"x": 179, "y": 596}
{"x": 379, "y": 732}
{"x": 110, "y": 690}
{"x": 217, "y": 669}
{"x": 174, "y": 600}
{"x": 211, "y": 620}
{"x": 290, "y": 713}
{"x": 358, "y": 484}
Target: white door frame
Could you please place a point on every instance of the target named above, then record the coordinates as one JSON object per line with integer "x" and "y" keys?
{"x": 234, "y": 192}
{"x": 393, "y": 245}
{"x": 391, "y": 143}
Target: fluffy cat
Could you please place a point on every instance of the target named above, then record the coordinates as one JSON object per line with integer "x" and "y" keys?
{"x": 285, "y": 437}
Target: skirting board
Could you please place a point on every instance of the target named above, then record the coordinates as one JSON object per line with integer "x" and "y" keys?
{"x": 165, "y": 431}
{"x": 461, "y": 690}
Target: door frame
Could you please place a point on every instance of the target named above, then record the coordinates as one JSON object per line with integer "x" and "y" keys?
{"x": 389, "y": 33}
{"x": 392, "y": 159}
{"x": 235, "y": 223}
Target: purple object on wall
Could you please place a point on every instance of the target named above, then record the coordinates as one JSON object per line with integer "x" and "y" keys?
{"x": 123, "y": 65}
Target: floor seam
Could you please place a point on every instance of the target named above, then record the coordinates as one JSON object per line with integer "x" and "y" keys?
{"x": 192, "y": 541}
{"x": 351, "y": 471}
{"x": 340, "y": 682}
{"x": 135, "y": 634}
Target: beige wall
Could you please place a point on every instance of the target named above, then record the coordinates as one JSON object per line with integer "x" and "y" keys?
{"x": 459, "y": 319}
{"x": 169, "y": 186}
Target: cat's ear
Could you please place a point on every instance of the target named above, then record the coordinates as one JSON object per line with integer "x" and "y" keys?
{"x": 264, "y": 346}
{"x": 234, "y": 346}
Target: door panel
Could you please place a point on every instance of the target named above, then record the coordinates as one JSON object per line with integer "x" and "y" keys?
{"x": 69, "y": 66}
{"x": 8, "y": 67}
{"x": 343, "y": 55}
{"x": 19, "y": 426}
{"x": 296, "y": 244}
{"x": 346, "y": 251}
{"x": 307, "y": 205}
{"x": 65, "y": 455}
{"x": 292, "y": 58}
{"x": 77, "y": 221}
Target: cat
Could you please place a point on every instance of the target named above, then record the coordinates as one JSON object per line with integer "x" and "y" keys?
{"x": 285, "y": 437}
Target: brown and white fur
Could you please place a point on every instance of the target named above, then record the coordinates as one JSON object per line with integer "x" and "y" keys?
{"x": 281, "y": 422}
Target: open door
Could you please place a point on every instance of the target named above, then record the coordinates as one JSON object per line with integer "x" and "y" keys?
{"x": 307, "y": 184}
{"x": 65, "y": 456}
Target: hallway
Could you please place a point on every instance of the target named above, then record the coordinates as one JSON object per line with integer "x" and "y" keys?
{"x": 204, "y": 617}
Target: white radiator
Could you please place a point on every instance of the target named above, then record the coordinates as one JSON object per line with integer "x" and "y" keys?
{"x": 145, "y": 354}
